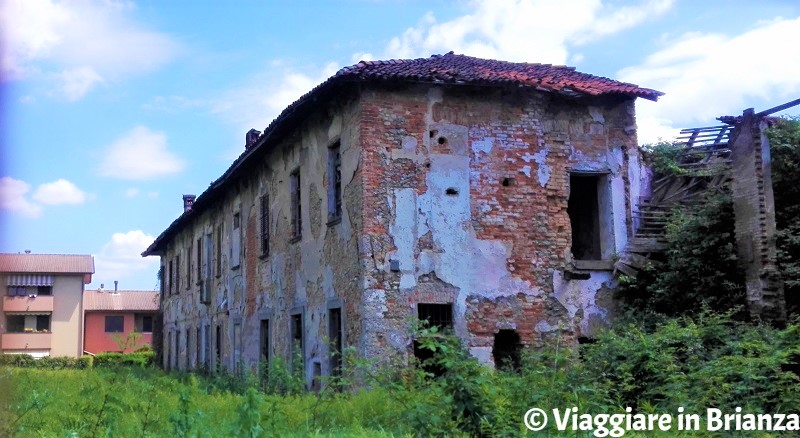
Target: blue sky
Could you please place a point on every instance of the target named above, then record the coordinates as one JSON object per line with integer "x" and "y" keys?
{"x": 111, "y": 110}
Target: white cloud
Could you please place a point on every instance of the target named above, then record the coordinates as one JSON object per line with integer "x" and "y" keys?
{"x": 120, "y": 259}
{"x": 264, "y": 96}
{"x": 709, "y": 75}
{"x": 78, "y": 81}
{"x": 78, "y": 44}
{"x": 13, "y": 197}
{"x": 59, "y": 192}
{"x": 132, "y": 192}
{"x": 140, "y": 154}
{"x": 520, "y": 30}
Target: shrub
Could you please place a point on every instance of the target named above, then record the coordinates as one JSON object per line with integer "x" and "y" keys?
{"x": 142, "y": 359}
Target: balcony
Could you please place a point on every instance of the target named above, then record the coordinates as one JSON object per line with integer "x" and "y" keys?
{"x": 41, "y": 303}
{"x": 25, "y": 341}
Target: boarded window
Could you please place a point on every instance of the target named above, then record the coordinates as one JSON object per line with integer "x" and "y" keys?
{"x": 115, "y": 324}
{"x": 584, "y": 215}
{"x": 335, "y": 339}
{"x": 334, "y": 183}
{"x": 264, "y": 224}
{"x": 236, "y": 240}
{"x": 218, "y": 258}
{"x": 297, "y": 214}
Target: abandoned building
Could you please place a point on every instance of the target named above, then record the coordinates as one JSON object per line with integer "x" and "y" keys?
{"x": 485, "y": 196}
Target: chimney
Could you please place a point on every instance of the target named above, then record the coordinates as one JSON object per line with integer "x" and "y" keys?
{"x": 102, "y": 286}
{"x": 251, "y": 138}
{"x": 27, "y": 251}
{"x": 188, "y": 202}
{"x": 115, "y": 286}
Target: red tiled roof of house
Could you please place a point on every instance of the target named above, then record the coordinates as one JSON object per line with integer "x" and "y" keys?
{"x": 47, "y": 263}
{"x": 123, "y": 300}
{"x": 461, "y": 69}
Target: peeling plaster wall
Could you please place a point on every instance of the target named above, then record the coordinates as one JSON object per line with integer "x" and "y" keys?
{"x": 306, "y": 275}
{"x": 466, "y": 191}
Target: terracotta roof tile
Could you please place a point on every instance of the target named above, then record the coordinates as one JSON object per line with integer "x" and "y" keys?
{"x": 123, "y": 300}
{"x": 47, "y": 263}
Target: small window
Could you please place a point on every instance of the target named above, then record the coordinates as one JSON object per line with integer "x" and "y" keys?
{"x": 264, "y": 344}
{"x": 334, "y": 183}
{"x": 189, "y": 266}
{"x": 296, "y": 332}
{"x": 218, "y": 259}
{"x": 143, "y": 323}
{"x": 15, "y": 323}
{"x": 264, "y": 224}
{"x": 171, "y": 279}
{"x": 44, "y": 290}
{"x": 236, "y": 241}
{"x": 218, "y": 348}
{"x": 16, "y": 291}
{"x": 297, "y": 214}
{"x": 178, "y": 274}
{"x": 115, "y": 324}
{"x": 435, "y": 315}
{"x": 335, "y": 339}
{"x": 199, "y": 260}
{"x": 42, "y": 323}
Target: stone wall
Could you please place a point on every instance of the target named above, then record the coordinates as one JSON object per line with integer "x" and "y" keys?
{"x": 465, "y": 202}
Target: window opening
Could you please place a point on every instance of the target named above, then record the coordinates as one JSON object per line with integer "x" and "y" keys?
{"x": 264, "y": 225}
{"x": 335, "y": 339}
{"x": 297, "y": 216}
{"x": 115, "y": 323}
{"x": 584, "y": 215}
{"x": 334, "y": 183}
{"x": 434, "y": 315}
{"x": 506, "y": 350}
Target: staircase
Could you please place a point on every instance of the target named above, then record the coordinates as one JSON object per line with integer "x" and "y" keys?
{"x": 705, "y": 165}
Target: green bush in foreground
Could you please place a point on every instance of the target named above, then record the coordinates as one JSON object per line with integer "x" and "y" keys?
{"x": 707, "y": 361}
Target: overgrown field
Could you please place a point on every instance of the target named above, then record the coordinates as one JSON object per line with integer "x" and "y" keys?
{"x": 707, "y": 361}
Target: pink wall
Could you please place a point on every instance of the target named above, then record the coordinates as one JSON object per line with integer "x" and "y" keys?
{"x": 96, "y": 340}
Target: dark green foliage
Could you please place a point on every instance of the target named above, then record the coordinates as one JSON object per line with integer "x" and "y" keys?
{"x": 663, "y": 157}
{"x": 141, "y": 359}
{"x": 700, "y": 266}
{"x": 784, "y": 138}
{"x": 47, "y": 362}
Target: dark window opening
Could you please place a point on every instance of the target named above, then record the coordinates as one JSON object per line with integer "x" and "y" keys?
{"x": 433, "y": 315}
{"x": 44, "y": 290}
{"x": 264, "y": 345}
{"x": 15, "y": 323}
{"x": 508, "y": 182}
{"x": 335, "y": 339}
{"x": 506, "y": 350}
{"x": 451, "y": 191}
{"x": 143, "y": 323}
{"x": 334, "y": 183}
{"x": 297, "y": 214}
{"x": 218, "y": 348}
{"x": 197, "y": 344}
{"x": 584, "y": 216}
{"x": 264, "y": 225}
{"x": 115, "y": 324}
{"x": 186, "y": 349}
{"x": 442, "y": 140}
{"x": 42, "y": 323}
{"x": 171, "y": 279}
{"x": 296, "y": 332}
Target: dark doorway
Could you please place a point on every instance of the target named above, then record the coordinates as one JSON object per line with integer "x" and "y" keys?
{"x": 433, "y": 315}
{"x": 584, "y": 216}
{"x": 335, "y": 339}
{"x": 506, "y": 350}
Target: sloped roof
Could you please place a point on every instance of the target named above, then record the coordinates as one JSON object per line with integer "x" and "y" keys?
{"x": 461, "y": 69}
{"x": 47, "y": 263}
{"x": 445, "y": 69}
{"x": 123, "y": 300}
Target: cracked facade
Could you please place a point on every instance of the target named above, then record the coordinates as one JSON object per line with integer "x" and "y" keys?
{"x": 453, "y": 188}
